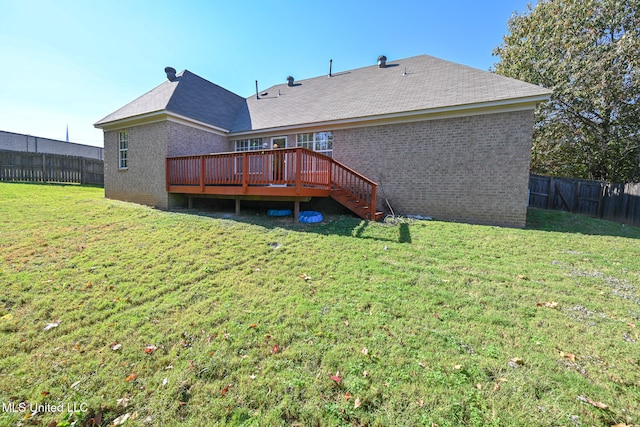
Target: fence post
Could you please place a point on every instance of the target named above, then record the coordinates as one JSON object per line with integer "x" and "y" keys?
{"x": 549, "y": 193}
{"x": 44, "y": 168}
{"x": 576, "y": 198}
{"x": 603, "y": 189}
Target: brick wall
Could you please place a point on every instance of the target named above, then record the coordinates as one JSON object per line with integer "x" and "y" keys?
{"x": 472, "y": 169}
{"x": 144, "y": 180}
{"x": 149, "y": 145}
{"x": 187, "y": 141}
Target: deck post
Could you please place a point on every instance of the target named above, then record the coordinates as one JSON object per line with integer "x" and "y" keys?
{"x": 245, "y": 171}
{"x": 237, "y": 205}
{"x": 296, "y": 211}
{"x": 373, "y": 203}
{"x": 202, "y": 173}
{"x": 167, "y": 173}
{"x": 298, "y": 169}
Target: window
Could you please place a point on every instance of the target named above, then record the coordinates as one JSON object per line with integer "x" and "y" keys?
{"x": 322, "y": 142}
{"x": 123, "y": 150}
{"x": 249, "y": 144}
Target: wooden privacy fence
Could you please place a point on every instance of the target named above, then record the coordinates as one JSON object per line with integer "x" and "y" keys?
{"x": 615, "y": 202}
{"x": 43, "y": 167}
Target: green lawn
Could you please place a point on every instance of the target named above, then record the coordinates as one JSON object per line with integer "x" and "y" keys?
{"x": 152, "y": 318}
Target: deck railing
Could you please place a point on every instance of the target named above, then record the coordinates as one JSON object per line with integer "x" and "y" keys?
{"x": 296, "y": 169}
{"x": 287, "y": 166}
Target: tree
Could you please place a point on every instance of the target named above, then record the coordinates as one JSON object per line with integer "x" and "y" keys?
{"x": 588, "y": 53}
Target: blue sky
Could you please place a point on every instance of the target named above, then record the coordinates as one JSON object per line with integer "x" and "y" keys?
{"x": 73, "y": 62}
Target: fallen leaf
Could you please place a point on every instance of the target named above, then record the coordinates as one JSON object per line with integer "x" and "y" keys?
{"x": 165, "y": 381}
{"x": 422, "y": 364}
{"x": 275, "y": 349}
{"x": 570, "y": 356}
{"x": 115, "y": 346}
{"x": 44, "y": 393}
{"x": 121, "y": 420}
{"x": 365, "y": 374}
{"x": 420, "y": 402}
{"x": 592, "y": 402}
{"x": 76, "y": 346}
{"x": 515, "y": 362}
{"x": 253, "y": 326}
{"x": 621, "y": 425}
{"x": 347, "y": 396}
{"x": 479, "y": 386}
{"x": 305, "y": 277}
{"x": 365, "y": 351}
{"x": 457, "y": 367}
{"x": 51, "y": 326}
{"x": 437, "y": 316}
{"x": 74, "y": 385}
{"x": 131, "y": 377}
{"x": 124, "y": 402}
{"x": 336, "y": 378}
{"x": 549, "y": 304}
{"x": 597, "y": 404}
{"x": 357, "y": 403}
{"x": 225, "y": 390}
{"x": 150, "y": 349}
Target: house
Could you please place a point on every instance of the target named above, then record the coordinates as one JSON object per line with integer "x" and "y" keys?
{"x": 422, "y": 135}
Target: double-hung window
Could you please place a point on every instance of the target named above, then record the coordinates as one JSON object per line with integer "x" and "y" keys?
{"x": 322, "y": 142}
{"x": 123, "y": 150}
{"x": 252, "y": 144}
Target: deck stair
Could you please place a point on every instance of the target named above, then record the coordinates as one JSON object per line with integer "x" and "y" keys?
{"x": 354, "y": 204}
{"x": 281, "y": 174}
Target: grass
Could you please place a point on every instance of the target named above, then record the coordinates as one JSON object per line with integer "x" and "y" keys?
{"x": 168, "y": 318}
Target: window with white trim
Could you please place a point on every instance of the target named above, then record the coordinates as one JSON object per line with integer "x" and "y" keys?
{"x": 123, "y": 150}
{"x": 252, "y": 144}
{"x": 322, "y": 142}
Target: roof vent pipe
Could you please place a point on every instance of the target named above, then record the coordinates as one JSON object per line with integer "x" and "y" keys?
{"x": 171, "y": 74}
{"x": 330, "y": 66}
{"x": 382, "y": 61}
{"x": 257, "y": 95}
{"x": 289, "y": 81}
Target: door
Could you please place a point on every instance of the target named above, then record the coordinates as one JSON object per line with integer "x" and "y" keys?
{"x": 279, "y": 163}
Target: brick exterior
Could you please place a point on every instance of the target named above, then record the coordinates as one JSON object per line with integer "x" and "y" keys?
{"x": 472, "y": 169}
{"x": 149, "y": 145}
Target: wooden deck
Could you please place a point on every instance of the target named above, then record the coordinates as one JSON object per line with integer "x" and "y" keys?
{"x": 280, "y": 174}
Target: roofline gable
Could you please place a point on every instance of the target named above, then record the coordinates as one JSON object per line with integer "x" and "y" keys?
{"x": 159, "y": 116}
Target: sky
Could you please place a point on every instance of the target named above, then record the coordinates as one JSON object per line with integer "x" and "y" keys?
{"x": 72, "y": 62}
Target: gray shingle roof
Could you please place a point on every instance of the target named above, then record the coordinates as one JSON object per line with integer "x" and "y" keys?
{"x": 410, "y": 85}
{"x": 191, "y": 96}
{"x": 429, "y": 83}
